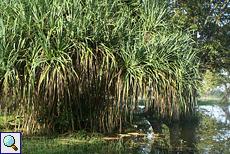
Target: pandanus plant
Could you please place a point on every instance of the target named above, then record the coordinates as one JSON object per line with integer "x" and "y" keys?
{"x": 67, "y": 64}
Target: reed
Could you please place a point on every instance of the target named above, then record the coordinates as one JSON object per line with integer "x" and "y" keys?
{"x": 64, "y": 65}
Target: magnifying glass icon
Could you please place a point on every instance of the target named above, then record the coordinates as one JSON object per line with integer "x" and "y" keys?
{"x": 9, "y": 141}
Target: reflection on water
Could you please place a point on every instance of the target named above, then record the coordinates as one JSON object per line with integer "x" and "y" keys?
{"x": 210, "y": 134}
{"x": 213, "y": 133}
{"x": 221, "y": 114}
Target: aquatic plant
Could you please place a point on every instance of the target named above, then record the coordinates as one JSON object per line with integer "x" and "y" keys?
{"x": 74, "y": 64}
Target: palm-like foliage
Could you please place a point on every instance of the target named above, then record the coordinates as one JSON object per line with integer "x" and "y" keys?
{"x": 66, "y": 64}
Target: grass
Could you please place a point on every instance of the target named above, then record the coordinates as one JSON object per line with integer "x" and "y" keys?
{"x": 84, "y": 142}
{"x": 211, "y": 100}
{"x": 208, "y": 103}
{"x": 81, "y": 142}
{"x": 78, "y": 142}
{"x": 73, "y": 142}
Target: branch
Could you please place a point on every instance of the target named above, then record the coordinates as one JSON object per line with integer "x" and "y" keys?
{"x": 221, "y": 11}
{"x": 206, "y": 20}
{"x": 225, "y": 97}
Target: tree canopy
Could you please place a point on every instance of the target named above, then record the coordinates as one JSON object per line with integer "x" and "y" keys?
{"x": 208, "y": 22}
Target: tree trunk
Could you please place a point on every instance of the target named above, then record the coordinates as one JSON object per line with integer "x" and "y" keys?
{"x": 175, "y": 112}
{"x": 174, "y": 134}
{"x": 225, "y": 98}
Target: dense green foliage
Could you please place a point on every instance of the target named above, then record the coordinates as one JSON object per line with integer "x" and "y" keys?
{"x": 66, "y": 64}
{"x": 208, "y": 22}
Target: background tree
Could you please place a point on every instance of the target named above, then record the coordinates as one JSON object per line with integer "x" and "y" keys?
{"x": 216, "y": 84}
{"x": 208, "y": 22}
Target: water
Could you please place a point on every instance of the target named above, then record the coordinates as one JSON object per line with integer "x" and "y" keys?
{"x": 210, "y": 134}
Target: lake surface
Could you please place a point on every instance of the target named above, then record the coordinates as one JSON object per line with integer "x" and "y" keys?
{"x": 210, "y": 134}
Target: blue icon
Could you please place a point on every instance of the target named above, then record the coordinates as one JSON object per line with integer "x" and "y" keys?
{"x": 9, "y": 141}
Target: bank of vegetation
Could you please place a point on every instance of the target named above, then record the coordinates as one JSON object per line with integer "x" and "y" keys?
{"x": 72, "y": 64}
